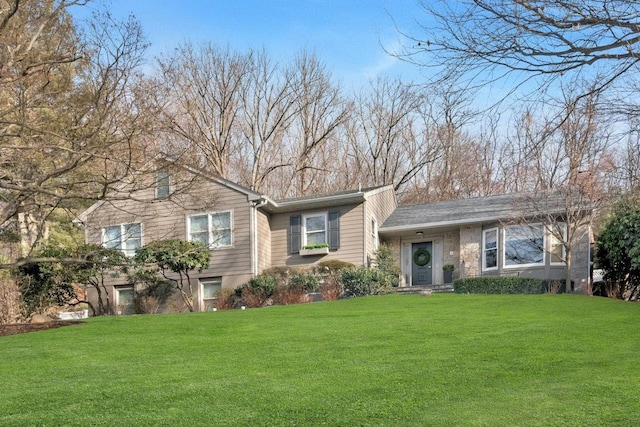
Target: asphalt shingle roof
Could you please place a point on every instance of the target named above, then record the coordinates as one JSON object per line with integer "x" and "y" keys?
{"x": 476, "y": 209}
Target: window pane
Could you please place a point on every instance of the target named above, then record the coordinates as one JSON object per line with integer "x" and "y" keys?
{"x": 557, "y": 250}
{"x": 132, "y": 231}
{"x": 491, "y": 239}
{"x": 315, "y": 223}
{"x": 491, "y": 258}
{"x": 221, "y": 238}
{"x": 112, "y": 237}
{"x": 316, "y": 238}
{"x": 210, "y": 288}
{"x": 198, "y": 224}
{"x": 524, "y": 245}
{"x": 201, "y": 237}
{"x": 162, "y": 184}
{"x": 125, "y": 301}
{"x": 221, "y": 221}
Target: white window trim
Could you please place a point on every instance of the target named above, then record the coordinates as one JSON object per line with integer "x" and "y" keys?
{"x": 118, "y": 289}
{"x": 122, "y": 234}
{"x": 551, "y": 241}
{"x": 209, "y": 228}
{"x": 303, "y": 228}
{"x": 504, "y": 247}
{"x": 484, "y": 249}
{"x": 375, "y": 237}
{"x": 203, "y": 282}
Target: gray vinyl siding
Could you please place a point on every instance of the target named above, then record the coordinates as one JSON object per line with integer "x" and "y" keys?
{"x": 351, "y": 237}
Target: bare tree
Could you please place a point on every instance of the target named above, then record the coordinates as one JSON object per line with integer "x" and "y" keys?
{"x": 388, "y": 136}
{"x": 567, "y": 155}
{"x": 320, "y": 111}
{"x": 489, "y": 39}
{"x": 269, "y": 107}
{"x": 200, "y": 101}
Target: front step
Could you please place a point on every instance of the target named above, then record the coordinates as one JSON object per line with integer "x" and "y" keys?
{"x": 442, "y": 288}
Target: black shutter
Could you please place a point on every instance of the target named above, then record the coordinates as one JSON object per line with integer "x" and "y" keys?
{"x": 294, "y": 234}
{"x": 334, "y": 231}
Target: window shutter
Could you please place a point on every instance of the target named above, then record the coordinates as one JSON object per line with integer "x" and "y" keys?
{"x": 334, "y": 231}
{"x": 294, "y": 234}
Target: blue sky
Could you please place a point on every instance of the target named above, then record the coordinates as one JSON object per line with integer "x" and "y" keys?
{"x": 346, "y": 35}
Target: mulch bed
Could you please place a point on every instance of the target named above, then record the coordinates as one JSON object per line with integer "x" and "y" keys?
{"x": 21, "y": 328}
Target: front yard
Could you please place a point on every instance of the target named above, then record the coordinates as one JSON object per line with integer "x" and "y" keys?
{"x": 484, "y": 360}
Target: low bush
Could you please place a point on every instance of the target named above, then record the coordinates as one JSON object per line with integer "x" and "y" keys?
{"x": 226, "y": 299}
{"x": 258, "y": 290}
{"x": 555, "y": 286}
{"x": 304, "y": 283}
{"x": 331, "y": 289}
{"x": 285, "y": 295}
{"x": 334, "y": 265}
{"x": 386, "y": 261}
{"x": 362, "y": 281}
{"x": 499, "y": 285}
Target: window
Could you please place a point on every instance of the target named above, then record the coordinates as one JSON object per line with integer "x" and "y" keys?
{"x": 556, "y": 247}
{"x": 210, "y": 288}
{"x": 374, "y": 234}
{"x": 490, "y": 249}
{"x": 162, "y": 185}
{"x": 212, "y": 230}
{"x": 124, "y": 301}
{"x": 523, "y": 245}
{"x": 124, "y": 237}
{"x": 314, "y": 229}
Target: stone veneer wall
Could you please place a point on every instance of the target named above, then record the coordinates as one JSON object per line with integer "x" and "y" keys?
{"x": 451, "y": 250}
{"x": 470, "y": 255}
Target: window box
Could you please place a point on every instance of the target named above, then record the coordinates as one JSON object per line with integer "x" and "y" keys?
{"x": 314, "y": 251}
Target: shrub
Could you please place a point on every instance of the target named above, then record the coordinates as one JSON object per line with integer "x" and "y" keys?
{"x": 258, "y": 290}
{"x": 331, "y": 288}
{"x": 285, "y": 295}
{"x": 499, "y": 285}
{"x": 304, "y": 282}
{"x": 618, "y": 251}
{"x": 152, "y": 292}
{"x": 556, "y": 286}
{"x": 386, "y": 262}
{"x": 362, "y": 281}
{"x": 226, "y": 299}
{"x": 335, "y": 265}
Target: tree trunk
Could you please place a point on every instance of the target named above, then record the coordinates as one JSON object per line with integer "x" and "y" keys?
{"x": 567, "y": 285}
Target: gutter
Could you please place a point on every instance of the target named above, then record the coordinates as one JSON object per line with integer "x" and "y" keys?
{"x": 255, "y": 205}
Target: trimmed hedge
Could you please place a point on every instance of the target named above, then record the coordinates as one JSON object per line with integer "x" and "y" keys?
{"x": 363, "y": 281}
{"x": 499, "y": 285}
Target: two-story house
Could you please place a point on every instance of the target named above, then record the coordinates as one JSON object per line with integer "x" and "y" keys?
{"x": 248, "y": 232}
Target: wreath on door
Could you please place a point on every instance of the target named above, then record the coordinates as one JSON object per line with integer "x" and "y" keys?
{"x": 421, "y": 257}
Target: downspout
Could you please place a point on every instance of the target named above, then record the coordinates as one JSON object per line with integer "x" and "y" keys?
{"x": 255, "y": 205}
{"x": 365, "y": 255}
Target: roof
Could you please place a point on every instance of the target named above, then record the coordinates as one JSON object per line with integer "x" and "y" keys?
{"x": 319, "y": 201}
{"x": 252, "y": 196}
{"x": 467, "y": 211}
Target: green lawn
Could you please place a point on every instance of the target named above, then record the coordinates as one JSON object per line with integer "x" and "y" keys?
{"x": 447, "y": 360}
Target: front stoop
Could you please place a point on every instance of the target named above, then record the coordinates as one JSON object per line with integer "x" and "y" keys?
{"x": 442, "y": 288}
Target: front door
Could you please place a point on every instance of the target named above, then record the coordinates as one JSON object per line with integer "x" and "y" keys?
{"x": 421, "y": 264}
